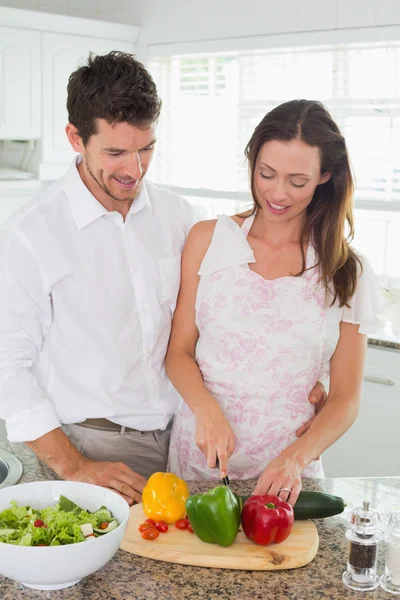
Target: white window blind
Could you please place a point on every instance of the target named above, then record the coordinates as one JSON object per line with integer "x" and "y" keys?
{"x": 212, "y": 102}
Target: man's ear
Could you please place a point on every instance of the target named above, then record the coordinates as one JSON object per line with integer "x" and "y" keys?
{"x": 74, "y": 138}
{"x": 324, "y": 178}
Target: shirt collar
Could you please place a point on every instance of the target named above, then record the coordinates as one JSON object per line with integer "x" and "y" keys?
{"x": 141, "y": 201}
{"x": 84, "y": 206}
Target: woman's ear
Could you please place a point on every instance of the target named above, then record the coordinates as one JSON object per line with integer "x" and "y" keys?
{"x": 324, "y": 178}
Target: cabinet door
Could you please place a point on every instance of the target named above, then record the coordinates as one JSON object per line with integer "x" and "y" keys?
{"x": 62, "y": 54}
{"x": 20, "y": 84}
{"x": 370, "y": 448}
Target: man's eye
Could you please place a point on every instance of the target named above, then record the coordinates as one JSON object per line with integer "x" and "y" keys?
{"x": 147, "y": 149}
{"x": 115, "y": 153}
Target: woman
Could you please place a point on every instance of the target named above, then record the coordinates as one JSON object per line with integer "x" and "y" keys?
{"x": 270, "y": 302}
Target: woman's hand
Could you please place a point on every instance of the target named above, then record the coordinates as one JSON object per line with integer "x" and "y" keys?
{"x": 214, "y": 436}
{"x": 282, "y": 478}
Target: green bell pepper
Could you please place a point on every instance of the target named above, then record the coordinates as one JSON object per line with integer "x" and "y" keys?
{"x": 214, "y": 515}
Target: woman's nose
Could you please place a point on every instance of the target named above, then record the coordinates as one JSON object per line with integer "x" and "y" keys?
{"x": 279, "y": 193}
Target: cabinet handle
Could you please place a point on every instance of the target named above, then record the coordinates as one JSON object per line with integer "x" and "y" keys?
{"x": 378, "y": 380}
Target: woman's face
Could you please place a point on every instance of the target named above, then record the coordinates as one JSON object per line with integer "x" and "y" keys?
{"x": 285, "y": 177}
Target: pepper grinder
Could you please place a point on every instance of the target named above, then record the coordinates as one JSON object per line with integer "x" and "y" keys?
{"x": 390, "y": 580}
{"x": 363, "y": 534}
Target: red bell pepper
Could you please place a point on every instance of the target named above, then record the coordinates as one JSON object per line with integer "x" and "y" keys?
{"x": 267, "y": 519}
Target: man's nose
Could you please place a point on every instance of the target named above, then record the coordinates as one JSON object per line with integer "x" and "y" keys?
{"x": 134, "y": 166}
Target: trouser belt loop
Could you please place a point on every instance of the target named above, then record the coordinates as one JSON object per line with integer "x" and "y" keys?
{"x": 122, "y": 432}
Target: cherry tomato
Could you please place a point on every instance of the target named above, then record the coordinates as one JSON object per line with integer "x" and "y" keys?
{"x": 38, "y": 523}
{"x": 182, "y": 524}
{"x": 103, "y": 525}
{"x": 190, "y": 528}
{"x": 150, "y": 522}
{"x": 162, "y": 526}
{"x": 143, "y": 527}
{"x": 150, "y": 534}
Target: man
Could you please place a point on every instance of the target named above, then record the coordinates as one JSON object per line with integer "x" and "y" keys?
{"x": 89, "y": 276}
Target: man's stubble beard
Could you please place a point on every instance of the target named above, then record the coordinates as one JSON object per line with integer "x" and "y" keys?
{"x": 105, "y": 188}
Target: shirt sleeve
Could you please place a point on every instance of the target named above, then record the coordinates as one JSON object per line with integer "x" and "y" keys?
{"x": 194, "y": 214}
{"x": 365, "y": 305}
{"x": 25, "y": 308}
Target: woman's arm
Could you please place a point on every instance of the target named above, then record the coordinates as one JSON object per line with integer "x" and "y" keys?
{"x": 213, "y": 432}
{"x": 335, "y": 418}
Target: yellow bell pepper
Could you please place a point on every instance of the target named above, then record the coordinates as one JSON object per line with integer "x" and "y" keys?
{"x": 164, "y": 497}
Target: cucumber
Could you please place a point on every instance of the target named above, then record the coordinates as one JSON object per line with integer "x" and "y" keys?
{"x": 111, "y": 526}
{"x": 4, "y": 532}
{"x": 317, "y": 505}
{"x": 312, "y": 505}
{"x": 103, "y": 514}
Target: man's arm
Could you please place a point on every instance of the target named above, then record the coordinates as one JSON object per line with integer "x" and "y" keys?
{"x": 25, "y": 309}
{"x": 26, "y": 313}
{"x": 57, "y": 452}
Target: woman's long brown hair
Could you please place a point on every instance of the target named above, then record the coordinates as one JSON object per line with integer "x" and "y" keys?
{"x": 332, "y": 204}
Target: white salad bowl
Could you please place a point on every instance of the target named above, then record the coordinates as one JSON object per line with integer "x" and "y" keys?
{"x": 56, "y": 567}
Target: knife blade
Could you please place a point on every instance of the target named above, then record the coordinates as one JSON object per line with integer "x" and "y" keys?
{"x": 225, "y": 480}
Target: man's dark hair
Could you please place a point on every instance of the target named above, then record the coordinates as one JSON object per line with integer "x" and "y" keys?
{"x": 115, "y": 87}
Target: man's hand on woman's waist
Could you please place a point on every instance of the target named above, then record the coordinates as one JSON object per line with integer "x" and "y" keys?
{"x": 318, "y": 397}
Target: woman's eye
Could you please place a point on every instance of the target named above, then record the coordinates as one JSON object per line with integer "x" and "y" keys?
{"x": 298, "y": 185}
{"x": 266, "y": 176}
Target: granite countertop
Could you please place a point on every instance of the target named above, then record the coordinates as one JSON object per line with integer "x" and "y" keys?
{"x": 131, "y": 577}
{"x": 384, "y": 343}
{"x": 385, "y": 338}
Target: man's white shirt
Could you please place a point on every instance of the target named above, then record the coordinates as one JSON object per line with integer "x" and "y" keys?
{"x": 86, "y": 302}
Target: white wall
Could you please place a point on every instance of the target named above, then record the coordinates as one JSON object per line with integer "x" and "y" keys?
{"x": 119, "y": 11}
{"x": 166, "y": 21}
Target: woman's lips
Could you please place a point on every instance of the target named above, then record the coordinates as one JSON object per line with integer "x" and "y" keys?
{"x": 277, "y": 209}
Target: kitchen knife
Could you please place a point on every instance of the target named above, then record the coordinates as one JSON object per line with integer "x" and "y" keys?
{"x": 225, "y": 480}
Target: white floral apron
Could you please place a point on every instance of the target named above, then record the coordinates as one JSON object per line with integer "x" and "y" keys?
{"x": 262, "y": 347}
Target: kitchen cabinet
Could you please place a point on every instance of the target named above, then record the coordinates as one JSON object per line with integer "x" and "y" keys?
{"x": 62, "y": 54}
{"x": 37, "y": 55}
{"x": 20, "y": 84}
{"x": 370, "y": 447}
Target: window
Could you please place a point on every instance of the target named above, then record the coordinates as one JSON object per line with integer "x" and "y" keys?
{"x": 212, "y": 102}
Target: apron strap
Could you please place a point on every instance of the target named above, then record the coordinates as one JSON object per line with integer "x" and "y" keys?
{"x": 247, "y": 224}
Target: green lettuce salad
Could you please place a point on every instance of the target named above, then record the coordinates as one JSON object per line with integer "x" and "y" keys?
{"x": 64, "y": 523}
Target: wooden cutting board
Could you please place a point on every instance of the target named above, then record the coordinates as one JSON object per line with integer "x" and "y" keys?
{"x": 185, "y": 548}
